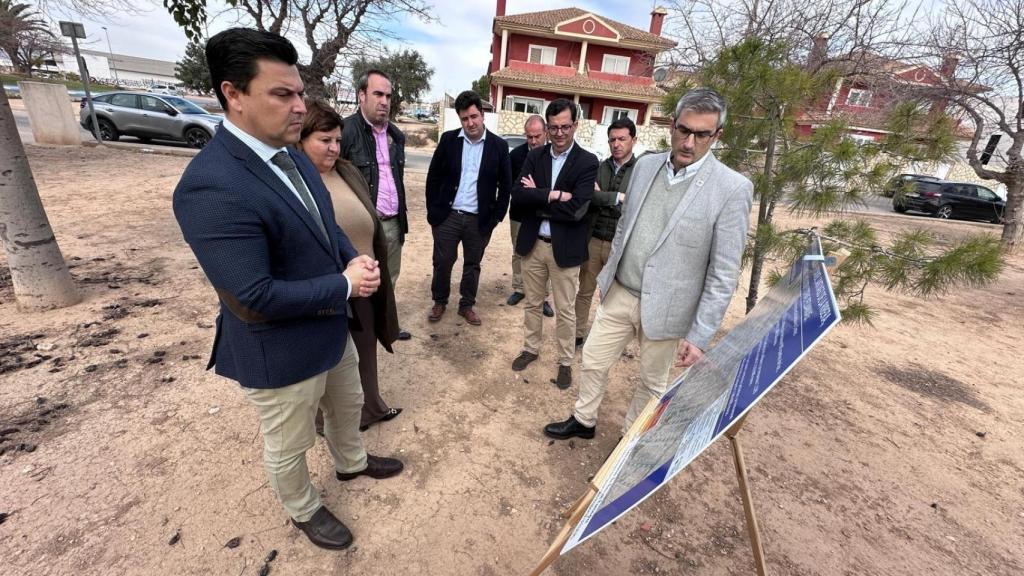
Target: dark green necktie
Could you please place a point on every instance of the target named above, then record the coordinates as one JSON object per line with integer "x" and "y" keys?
{"x": 284, "y": 161}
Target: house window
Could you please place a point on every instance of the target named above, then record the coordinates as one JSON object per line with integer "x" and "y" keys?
{"x": 862, "y": 138}
{"x": 858, "y": 97}
{"x": 541, "y": 55}
{"x": 521, "y": 104}
{"x": 612, "y": 114}
{"x": 615, "y": 64}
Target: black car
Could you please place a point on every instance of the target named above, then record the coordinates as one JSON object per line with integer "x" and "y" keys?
{"x": 514, "y": 140}
{"x": 951, "y": 200}
{"x": 904, "y": 180}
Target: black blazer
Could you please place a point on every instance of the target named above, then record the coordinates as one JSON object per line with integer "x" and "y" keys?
{"x": 569, "y": 231}
{"x": 493, "y": 184}
{"x": 517, "y": 157}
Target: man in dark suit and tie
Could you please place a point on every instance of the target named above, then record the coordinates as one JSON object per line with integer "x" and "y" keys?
{"x": 468, "y": 188}
{"x": 554, "y": 192}
{"x": 261, "y": 224}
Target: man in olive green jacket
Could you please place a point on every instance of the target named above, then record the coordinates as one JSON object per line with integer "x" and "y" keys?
{"x": 605, "y": 209}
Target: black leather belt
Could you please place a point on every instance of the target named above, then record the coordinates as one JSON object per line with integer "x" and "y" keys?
{"x": 544, "y": 239}
{"x": 463, "y": 212}
{"x": 384, "y": 218}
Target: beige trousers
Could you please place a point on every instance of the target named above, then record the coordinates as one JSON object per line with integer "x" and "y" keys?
{"x": 539, "y": 267}
{"x": 393, "y": 235}
{"x": 616, "y": 324}
{"x": 286, "y": 421}
{"x": 599, "y": 251}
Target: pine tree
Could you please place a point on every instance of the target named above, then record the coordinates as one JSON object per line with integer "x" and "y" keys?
{"x": 192, "y": 69}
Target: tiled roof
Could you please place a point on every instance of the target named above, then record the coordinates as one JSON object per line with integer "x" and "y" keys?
{"x": 872, "y": 119}
{"x": 578, "y": 82}
{"x": 548, "y": 19}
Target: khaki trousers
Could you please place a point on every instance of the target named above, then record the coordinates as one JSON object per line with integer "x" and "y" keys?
{"x": 539, "y": 267}
{"x": 393, "y": 235}
{"x": 616, "y": 324}
{"x": 286, "y": 421}
{"x": 599, "y": 251}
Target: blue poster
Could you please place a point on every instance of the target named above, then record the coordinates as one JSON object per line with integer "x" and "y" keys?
{"x": 719, "y": 389}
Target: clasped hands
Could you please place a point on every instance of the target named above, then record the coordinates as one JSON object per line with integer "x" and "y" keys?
{"x": 363, "y": 274}
{"x": 553, "y": 196}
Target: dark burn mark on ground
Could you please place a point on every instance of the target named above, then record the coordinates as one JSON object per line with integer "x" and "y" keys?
{"x": 933, "y": 384}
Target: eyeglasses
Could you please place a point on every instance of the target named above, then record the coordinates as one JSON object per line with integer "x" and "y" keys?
{"x": 700, "y": 136}
{"x": 565, "y": 128}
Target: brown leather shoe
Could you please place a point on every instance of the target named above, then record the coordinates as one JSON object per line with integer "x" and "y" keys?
{"x": 523, "y": 360}
{"x": 564, "y": 378}
{"x": 470, "y": 316}
{"x": 436, "y": 312}
{"x": 377, "y": 467}
{"x": 326, "y": 531}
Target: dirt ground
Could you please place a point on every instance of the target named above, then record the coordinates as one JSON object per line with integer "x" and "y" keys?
{"x": 887, "y": 451}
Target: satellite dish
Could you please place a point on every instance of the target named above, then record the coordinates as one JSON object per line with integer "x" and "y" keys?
{"x": 660, "y": 74}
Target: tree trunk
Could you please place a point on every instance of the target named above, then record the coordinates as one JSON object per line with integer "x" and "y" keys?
{"x": 41, "y": 279}
{"x": 1013, "y": 228}
{"x": 764, "y": 217}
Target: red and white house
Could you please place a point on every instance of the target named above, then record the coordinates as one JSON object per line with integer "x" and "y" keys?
{"x": 865, "y": 102}
{"x": 605, "y": 66}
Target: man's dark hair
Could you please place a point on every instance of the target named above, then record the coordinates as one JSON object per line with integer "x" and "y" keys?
{"x": 364, "y": 80}
{"x": 559, "y": 105}
{"x": 466, "y": 99}
{"x": 621, "y": 123}
{"x": 233, "y": 56}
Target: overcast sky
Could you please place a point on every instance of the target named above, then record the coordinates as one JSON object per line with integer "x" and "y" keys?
{"x": 457, "y": 48}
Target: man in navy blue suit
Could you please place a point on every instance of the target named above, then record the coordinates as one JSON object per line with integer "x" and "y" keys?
{"x": 261, "y": 224}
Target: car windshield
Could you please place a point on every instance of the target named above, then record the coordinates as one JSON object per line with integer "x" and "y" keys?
{"x": 184, "y": 106}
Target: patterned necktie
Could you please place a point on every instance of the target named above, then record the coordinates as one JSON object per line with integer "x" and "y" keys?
{"x": 284, "y": 161}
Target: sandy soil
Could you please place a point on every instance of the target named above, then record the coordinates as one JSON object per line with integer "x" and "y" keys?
{"x": 888, "y": 450}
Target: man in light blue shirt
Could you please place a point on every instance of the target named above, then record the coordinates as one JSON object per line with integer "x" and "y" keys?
{"x": 468, "y": 187}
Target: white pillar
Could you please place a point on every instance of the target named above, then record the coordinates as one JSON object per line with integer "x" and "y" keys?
{"x": 583, "y": 56}
{"x": 504, "y": 49}
{"x": 500, "y": 104}
{"x": 647, "y": 116}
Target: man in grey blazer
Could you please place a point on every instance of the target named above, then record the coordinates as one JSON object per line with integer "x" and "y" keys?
{"x": 674, "y": 263}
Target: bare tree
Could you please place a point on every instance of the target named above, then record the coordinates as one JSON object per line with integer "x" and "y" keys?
{"x": 987, "y": 85}
{"x": 332, "y": 30}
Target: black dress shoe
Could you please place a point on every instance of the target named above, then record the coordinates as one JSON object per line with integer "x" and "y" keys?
{"x": 377, "y": 467}
{"x": 391, "y": 414}
{"x": 523, "y": 360}
{"x": 568, "y": 429}
{"x": 403, "y": 335}
{"x": 326, "y": 531}
{"x": 548, "y": 311}
{"x": 564, "y": 378}
{"x": 515, "y": 298}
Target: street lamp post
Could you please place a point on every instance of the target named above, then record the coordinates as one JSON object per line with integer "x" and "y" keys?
{"x": 113, "y": 66}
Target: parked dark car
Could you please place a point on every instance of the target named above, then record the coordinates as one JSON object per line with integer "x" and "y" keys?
{"x": 904, "y": 180}
{"x": 514, "y": 140}
{"x": 951, "y": 200}
{"x": 150, "y": 117}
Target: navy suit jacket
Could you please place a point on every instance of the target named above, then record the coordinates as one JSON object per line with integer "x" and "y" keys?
{"x": 569, "y": 231}
{"x": 493, "y": 184}
{"x": 282, "y": 294}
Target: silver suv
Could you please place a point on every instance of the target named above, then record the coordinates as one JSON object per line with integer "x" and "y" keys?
{"x": 150, "y": 117}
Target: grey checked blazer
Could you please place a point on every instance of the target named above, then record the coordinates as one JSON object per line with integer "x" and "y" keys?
{"x": 691, "y": 275}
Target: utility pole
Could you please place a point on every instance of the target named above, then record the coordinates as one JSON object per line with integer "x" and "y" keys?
{"x": 75, "y": 30}
{"x": 113, "y": 65}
